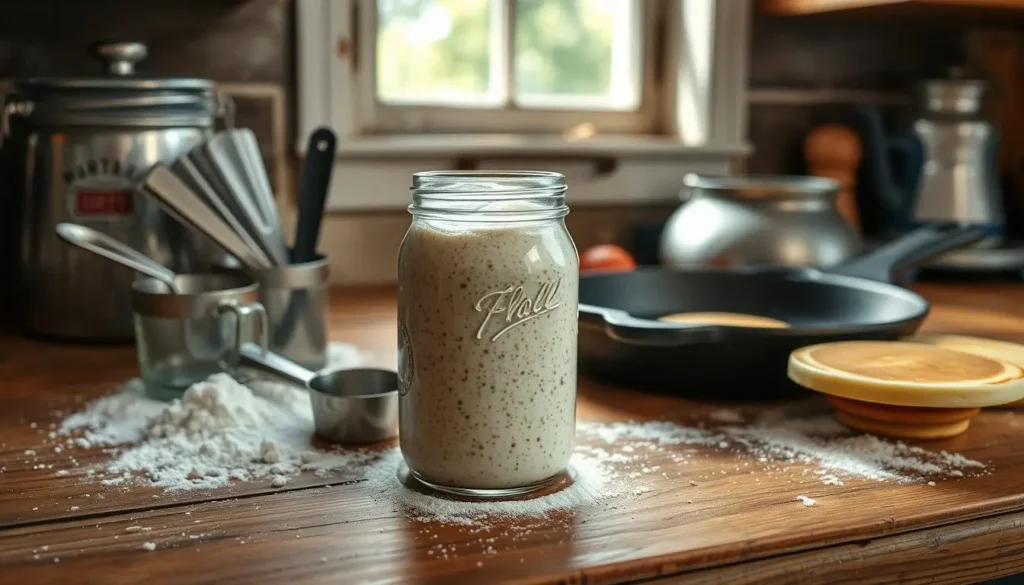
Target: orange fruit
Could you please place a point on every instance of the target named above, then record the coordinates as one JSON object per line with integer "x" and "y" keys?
{"x": 606, "y": 258}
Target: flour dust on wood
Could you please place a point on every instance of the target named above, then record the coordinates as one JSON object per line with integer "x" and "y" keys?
{"x": 223, "y": 431}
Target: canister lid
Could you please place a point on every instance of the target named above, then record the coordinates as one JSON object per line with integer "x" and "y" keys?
{"x": 120, "y": 97}
{"x": 957, "y": 94}
{"x": 761, "y": 187}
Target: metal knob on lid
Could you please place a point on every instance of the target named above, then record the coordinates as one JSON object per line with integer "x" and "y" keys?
{"x": 120, "y": 58}
{"x": 956, "y": 95}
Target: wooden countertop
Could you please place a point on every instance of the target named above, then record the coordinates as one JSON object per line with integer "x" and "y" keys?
{"x": 729, "y": 528}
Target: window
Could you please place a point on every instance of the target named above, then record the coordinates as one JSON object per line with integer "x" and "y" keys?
{"x": 534, "y": 66}
{"x": 622, "y": 96}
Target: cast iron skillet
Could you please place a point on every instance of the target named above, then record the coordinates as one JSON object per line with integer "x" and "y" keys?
{"x": 620, "y": 340}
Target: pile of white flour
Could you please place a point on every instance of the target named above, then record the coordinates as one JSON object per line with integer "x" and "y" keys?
{"x": 221, "y": 431}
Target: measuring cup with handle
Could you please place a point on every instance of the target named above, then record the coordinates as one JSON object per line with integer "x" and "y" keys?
{"x": 358, "y": 405}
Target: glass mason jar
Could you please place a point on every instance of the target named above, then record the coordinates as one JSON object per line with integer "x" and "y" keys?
{"x": 488, "y": 281}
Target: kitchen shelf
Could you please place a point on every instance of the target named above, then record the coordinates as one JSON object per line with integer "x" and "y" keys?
{"x": 798, "y": 7}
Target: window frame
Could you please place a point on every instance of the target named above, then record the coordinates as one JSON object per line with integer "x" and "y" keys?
{"x": 376, "y": 118}
{"x": 372, "y": 170}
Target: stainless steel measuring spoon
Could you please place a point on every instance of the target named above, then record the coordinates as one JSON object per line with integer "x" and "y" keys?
{"x": 358, "y": 405}
{"x": 176, "y": 198}
{"x": 112, "y": 249}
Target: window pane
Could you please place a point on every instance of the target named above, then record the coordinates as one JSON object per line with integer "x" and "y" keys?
{"x": 578, "y": 54}
{"x": 438, "y": 52}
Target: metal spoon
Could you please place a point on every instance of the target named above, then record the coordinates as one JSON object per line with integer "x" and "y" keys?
{"x": 112, "y": 249}
{"x": 349, "y": 405}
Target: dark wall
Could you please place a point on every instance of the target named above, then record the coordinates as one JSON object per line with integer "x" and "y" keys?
{"x": 227, "y": 40}
{"x": 824, "y": 60}
{"x": 236, "y": 41}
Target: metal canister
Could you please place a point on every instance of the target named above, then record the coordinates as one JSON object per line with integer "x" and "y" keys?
{"x": 78, "y": 145}
{"x": 297, "y": 299}
{"x": 728, "y": 222}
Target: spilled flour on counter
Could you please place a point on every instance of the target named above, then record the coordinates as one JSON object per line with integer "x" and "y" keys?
{"x": 593, "y": 480}
{"x": 222, "y": 431}
{"x": 803, "y": 433}
{"x": 806, "y": 501}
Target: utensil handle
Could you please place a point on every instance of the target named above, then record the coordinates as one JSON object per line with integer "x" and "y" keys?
{"x": 268, "y": 362}
{"x": 174, "y": 197}
{"x": 103, "y": 245}
{"x": 622, "y": 327}
{"x": 912, "y": 249}
{"x": 316, "y": 181}
{"x": 244, "y": 312}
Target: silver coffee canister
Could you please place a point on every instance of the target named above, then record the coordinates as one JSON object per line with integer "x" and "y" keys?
{"x": 79, "y": 146}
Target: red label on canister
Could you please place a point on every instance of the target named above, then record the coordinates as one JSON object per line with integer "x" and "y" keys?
{"x": 103, "y": 202}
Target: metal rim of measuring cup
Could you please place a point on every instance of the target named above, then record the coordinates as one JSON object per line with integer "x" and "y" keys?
{"x": 196, "y": 295}
{"x": 299, "y": 279}
{"x": 302, "y": 275}
{"x": 204, "y": 295}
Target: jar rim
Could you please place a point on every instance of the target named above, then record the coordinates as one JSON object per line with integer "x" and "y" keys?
{"x": 480, "y": 195}
{"x": 490, "y": 184}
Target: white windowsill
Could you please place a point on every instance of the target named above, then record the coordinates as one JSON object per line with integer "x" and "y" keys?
{"x": 374, "y": 174}
{"x": 522, "y": 145}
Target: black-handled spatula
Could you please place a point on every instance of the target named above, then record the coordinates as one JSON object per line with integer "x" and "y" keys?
{"x": 313, "y": 188}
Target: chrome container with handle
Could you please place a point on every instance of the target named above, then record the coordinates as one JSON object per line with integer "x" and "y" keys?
{"x": 959, "y": 178}
{"x": 78, "y": 146}
{"x": 730, "y": 222}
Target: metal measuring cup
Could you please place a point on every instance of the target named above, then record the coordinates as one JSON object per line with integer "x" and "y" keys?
{"x": 358, "y": 405}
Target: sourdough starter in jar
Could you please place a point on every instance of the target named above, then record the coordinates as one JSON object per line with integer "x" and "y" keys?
{"x": 487, "y": 336}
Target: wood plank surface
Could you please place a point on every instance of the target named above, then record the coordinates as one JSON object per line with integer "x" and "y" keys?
{"x": 55, "y": 379}
{"x": 967, "y": 552}
{"x": 740, "y": 523}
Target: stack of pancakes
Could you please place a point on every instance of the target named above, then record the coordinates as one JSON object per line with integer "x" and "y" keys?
{"x": 924, "y": 387}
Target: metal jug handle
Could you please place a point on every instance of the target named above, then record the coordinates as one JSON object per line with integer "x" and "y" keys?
{"x": 243, "y": 313}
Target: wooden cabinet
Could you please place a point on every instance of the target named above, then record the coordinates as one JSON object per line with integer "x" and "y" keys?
{"x": 819, "y": 6}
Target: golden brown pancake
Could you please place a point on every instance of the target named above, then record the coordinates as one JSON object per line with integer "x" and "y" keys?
{"x": 910, "y": 415}
{"x": 728, "y": 319}
{"x": 903, "y": 431}
{"x": 906, "y": 374}
{"x": 910, "y": 362}
{"x": 1001, "y": 350}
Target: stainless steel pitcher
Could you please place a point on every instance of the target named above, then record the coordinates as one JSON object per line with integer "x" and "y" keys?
{"x": 80, "y": 145}
{"x": 959, "y": 178}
